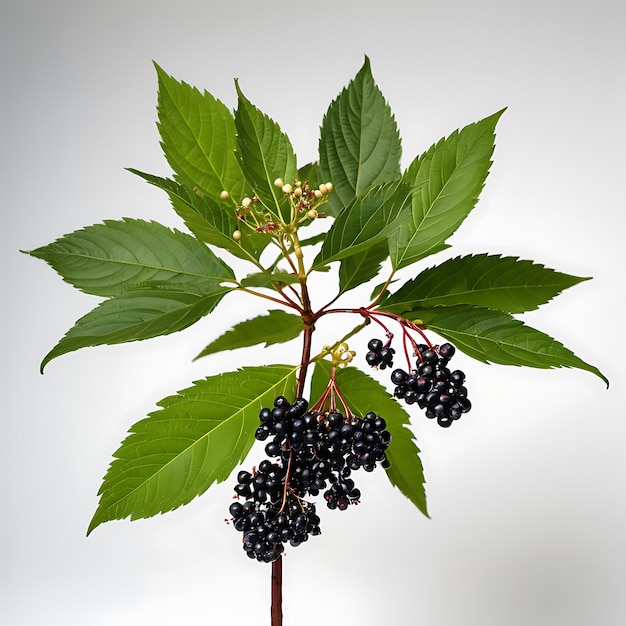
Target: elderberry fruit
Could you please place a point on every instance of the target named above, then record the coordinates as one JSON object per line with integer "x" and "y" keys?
{"x": 312, "y": 452}
{"x": 379, "y": 355}
{"x": 432, "y": 386}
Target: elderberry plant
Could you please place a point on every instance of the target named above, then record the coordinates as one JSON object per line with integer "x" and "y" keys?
{"x": 240, "y": 192}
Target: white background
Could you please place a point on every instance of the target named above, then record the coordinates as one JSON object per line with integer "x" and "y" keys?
{"x": 526, "y": 493}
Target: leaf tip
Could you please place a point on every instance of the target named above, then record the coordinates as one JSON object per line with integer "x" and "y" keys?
{"x": 93, "y": 524}
{"x": 161, "y": 73}
{"x": 603, "y": 377}
{"x": 366, "y": 68}
{"x": 238, "y": 89}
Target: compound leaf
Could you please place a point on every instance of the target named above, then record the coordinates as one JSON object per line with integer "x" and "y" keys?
{"x": 448, "y": 179}
{"x": 106, "y": 259}
{"x": 265, "y": 154}
{"x": 195, "y": 439}
{"x": 275, "y": 327}
{"x": 363, "y": 394}
{"x": 491, "y": 281}
{"x": 359, "y": 142}
{"x": 497, "y": 337}
{"x": 198, "y": 138}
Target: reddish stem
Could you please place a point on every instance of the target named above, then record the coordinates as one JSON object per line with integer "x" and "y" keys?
{"x": 277, "y": 566}
{"x": 277, "y": 592}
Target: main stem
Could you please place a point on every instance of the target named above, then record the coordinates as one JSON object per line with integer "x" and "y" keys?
{"x": 277, "y": 565}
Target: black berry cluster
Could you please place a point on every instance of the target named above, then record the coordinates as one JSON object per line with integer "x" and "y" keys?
{"x": 379, "y": 355}
{"x": 433, "y": 386}
{"x": 267, "y": 527}
{"x": 314, "y": 452}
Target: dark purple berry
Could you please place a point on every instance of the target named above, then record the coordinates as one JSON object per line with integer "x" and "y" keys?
{"x": 447, "y": 350}
{"x": 374, "y": 345}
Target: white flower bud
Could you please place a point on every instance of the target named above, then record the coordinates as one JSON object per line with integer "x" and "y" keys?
{"x": 237, "y": 235}
{"x": 224, "y": 195}
{"x": 246, "y": 202}
{"x": 318, "y": 194}
{"x": 297, "y": 192}
{"x": 287, "y": 188}
{"x": 312, "y": 214}
{"x": 278, "y": 182}
{"x": 329, "y": 186}
{"x": 324, "y": 189}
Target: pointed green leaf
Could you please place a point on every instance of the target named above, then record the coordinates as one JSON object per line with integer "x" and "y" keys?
{"x": 211, "y": 221}
{"x": 363, "y": 394}
{"x": 265, "y": 154}
{"x": 314, "y": 240}
{"x": 359, "y": 143}
{"x": 491, "y": 281}
{"x": 496, "y": 337}
{"x": 448, "y": 179}
{"x": 198, "y": 138}
{"x": 276, "y": 280}
{"x": 150, "y": 310}
{"x": 308, "y": 173}
{"x": 367, "y": 221}
{"x": 359, "y": 268}
{"x": 195, "y": 439}
{"x": 275, "y": 327}
{"x": 106, "y": 259}
{"x": 381, "y": 293}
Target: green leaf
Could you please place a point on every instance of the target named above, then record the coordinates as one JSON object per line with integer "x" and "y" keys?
{"x": 313, "y": 240}
{"x": 150, "y": 310}
{"x": 367, "y": 221}
{"x": 106, "y": 259}
{"x": 265, "y": 154}
{"x": 198, "y": 138}
{"x": 275, "y": 280}
{"x": 196, "y": 439}
{"x": 496, "y": 337}
{"x": 491, "y": 281}
{"x": 275, "y": 327}
{"x": 363, "y": 394}
{"x": 381, "y": 293}
{"x": 359, "y": 143}
{"x": 209, "y": 220}
{"x": 448, "y": 179}
{"x": 308, "y": 173}
{"x": 358, "y": 269}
